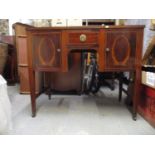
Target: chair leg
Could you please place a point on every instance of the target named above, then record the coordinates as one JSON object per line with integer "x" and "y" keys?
{"x": 120, "y": 86}
{"x": 49, "y": 92}
{"x": 113, "y": 82}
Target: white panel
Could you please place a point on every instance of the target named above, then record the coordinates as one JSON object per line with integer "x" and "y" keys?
{"x": 74, "y": 22}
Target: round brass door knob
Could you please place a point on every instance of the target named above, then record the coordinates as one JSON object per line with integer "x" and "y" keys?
{"x": 83, "y": 37}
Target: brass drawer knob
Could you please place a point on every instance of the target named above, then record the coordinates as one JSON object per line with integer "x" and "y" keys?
{"x": 83, "y": 37}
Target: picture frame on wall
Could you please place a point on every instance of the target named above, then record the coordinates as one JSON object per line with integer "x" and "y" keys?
{"x": 152, "y": 25}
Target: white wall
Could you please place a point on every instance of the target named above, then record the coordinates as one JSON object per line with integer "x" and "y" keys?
{"x": 11, "y": 22}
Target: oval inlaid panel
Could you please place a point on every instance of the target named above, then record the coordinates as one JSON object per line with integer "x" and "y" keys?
{"x": 121, "y": 50}
{"x": 46, "y": 51}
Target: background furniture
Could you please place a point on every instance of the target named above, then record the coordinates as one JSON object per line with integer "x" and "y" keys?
{"x": 10, "y": 70}
{"x": 3, "y": 56}
{"x": 21, "y": 47}
{"x": 119, "y": 49}
{"x": 98, "y": 22}
{"x": 147, "y": 105}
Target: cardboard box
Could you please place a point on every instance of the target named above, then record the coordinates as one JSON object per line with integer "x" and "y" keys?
{"x": 59, "y": 22}
{"x": 148, "y": 78}
{"x": 74, "y": 22}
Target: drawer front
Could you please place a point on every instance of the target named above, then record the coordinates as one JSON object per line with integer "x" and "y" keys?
{"x": 83, "y": 37}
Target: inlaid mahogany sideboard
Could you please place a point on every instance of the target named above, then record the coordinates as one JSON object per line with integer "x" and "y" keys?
{"x": 119, "y": 49}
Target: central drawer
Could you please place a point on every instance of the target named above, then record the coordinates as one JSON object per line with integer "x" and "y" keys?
{"x": 83, "y": 38}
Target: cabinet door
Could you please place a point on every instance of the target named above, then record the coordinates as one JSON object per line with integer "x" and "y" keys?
{"x": 47, "y": 51}
{"x": 120, "y": 49}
